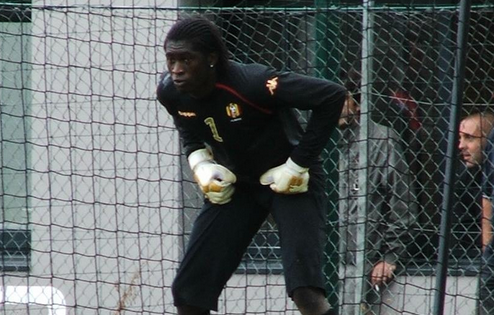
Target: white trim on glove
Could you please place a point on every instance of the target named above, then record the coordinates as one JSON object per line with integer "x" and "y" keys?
{"x": 215, "y": 180}
{"x": 199, "y": 156}
{"x": 295, "y": 167}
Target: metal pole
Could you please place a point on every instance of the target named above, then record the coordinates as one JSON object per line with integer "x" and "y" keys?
{"x": 327, "y": 23}
{"x": 366, "y": 97}
{"x": 451, "y": 157}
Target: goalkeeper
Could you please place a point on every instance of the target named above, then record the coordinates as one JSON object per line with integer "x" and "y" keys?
{"x": 251, "y": 158}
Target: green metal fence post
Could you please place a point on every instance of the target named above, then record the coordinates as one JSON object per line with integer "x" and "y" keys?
{"x": 327, "y": 63}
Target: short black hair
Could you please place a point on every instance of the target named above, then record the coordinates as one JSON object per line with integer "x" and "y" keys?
{"x": 204, "y": 36}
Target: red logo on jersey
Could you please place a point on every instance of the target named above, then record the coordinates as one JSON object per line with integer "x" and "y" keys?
{"x": 233, "y": 110}
{"x": 272, "y": 85}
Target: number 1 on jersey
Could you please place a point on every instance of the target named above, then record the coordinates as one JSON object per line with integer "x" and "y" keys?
{"x": 210, "y": 122}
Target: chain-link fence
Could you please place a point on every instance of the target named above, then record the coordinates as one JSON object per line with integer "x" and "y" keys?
{"x": 97, "y": 202}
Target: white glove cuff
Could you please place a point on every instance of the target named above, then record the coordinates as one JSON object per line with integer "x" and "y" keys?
{"x": 199, "y": 156}
{"x": 294, "y": 166}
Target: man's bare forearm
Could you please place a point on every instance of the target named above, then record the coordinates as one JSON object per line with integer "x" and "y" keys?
{"x": 486, "y": 225}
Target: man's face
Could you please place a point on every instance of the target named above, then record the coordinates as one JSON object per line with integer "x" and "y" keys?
{"x": 189, "y": 69}
{"x": 471, "y": 142}
{"x": 349, "y": 113}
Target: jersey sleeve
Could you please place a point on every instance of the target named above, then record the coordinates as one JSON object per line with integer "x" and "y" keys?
{"x": 167, "y": 97}
{"x": 324, "y": 98}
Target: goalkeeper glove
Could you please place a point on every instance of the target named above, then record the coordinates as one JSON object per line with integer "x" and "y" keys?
{"x": 288, "y": 178}
{"x": 214, "y": 180}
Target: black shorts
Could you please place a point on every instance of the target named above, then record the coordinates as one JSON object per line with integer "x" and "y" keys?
{"x": 221, "y": 234}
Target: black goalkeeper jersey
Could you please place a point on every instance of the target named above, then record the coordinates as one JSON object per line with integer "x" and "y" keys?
{"x": 248, "y": 120}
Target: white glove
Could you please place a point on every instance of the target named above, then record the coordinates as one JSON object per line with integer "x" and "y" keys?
{"x": 288, "y": 178}
{"x": 214, "y": 180}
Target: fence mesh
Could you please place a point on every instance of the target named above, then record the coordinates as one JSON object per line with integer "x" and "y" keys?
{"x": 97, "y": 201}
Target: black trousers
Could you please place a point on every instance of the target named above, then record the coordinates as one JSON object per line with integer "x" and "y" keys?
{"x": 221, "y": 234}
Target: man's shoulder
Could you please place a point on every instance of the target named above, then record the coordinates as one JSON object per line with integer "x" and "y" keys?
{"x": 166, "y": 90}
{"x": 247, "y": 69}
{"x": 249, "y": 79}
{"x": 165, "y": 80}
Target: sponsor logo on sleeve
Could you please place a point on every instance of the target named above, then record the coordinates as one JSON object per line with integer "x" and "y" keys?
{"x": 272, "y": 85}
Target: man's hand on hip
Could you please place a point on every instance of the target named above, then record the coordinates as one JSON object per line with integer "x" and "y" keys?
{"x": 288, "y": 178}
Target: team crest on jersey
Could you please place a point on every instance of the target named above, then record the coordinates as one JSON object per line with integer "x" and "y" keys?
{"x": 187, "y": 114}
{"x": 233, "y": 110}
{"x": 272, "y": 85}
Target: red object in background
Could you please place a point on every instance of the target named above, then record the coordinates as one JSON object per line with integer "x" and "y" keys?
{"x": 408, "y": 106}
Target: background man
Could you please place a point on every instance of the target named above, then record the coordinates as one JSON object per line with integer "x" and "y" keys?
{"x": 391, "y": 207}
{"x": 486, "y": 284}
{"x": 473, "y": 132}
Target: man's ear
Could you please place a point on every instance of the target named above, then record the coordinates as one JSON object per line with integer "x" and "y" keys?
{"x": 213, "y": 59}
